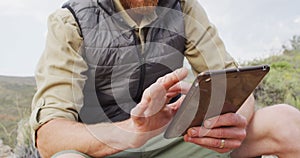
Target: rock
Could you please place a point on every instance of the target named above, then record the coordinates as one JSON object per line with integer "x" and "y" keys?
{"x": 5, "y": 150}
{"x": 24, "y": 147}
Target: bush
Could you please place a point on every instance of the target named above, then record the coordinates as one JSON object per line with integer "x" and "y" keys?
{"x": 282, "y": 84}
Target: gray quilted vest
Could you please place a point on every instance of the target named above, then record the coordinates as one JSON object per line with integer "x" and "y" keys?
{"x": 118, "y": 71}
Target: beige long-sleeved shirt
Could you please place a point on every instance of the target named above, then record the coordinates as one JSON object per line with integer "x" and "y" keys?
{"x": 59, "y": 72}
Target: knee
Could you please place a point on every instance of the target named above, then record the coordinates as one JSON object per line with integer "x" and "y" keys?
{"x": 282, "y": 114}
{"x": 282, "y": 122}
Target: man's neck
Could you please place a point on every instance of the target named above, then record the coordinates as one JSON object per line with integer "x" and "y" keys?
{"x": 135, "y": 16}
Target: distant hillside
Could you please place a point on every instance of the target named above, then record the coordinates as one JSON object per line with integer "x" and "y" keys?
{"x": 17, "y": 80}
{"x": 15, "y": 99}
{"x": 282, "y": 84}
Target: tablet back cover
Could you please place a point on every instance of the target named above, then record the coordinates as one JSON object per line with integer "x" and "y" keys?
{"x": 214, "y": 93}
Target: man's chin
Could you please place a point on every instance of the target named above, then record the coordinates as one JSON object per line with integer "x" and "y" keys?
{"x": 143, "y": 10}
{"x": 142, "y": 7}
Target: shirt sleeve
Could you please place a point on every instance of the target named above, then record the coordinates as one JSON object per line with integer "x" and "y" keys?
{"x": 204, "y": 48}
{"x": 59, "y": 73}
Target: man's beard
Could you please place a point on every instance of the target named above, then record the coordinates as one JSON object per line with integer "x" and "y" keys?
{"x": 140, "y": 6}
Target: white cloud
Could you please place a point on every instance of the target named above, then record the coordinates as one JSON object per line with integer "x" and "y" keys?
{"x": 297, "y": 20}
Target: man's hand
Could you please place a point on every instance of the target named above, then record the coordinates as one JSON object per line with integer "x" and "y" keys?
{"x": 221, "y": 133}
{"x": 153, "y": 113}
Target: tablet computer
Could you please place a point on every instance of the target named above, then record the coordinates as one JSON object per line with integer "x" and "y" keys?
{"x": 213, "y": 93}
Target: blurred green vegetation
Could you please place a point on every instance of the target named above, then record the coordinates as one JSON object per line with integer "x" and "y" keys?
{"x": 282, "y": 84}
{"x": 15, "y": 100}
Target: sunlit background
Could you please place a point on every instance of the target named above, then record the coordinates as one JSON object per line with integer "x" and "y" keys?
{"x": 250, "y": 29}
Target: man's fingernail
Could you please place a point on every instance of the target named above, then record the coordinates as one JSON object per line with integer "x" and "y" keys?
{"x": 178, "y": 71}
{"x": 192, "y": 132}
{"x": 207, "y": 123}
{"x": 181, "y": 70}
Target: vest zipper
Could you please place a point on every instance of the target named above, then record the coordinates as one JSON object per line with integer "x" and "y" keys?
{"x": 142, "y": 78}
{"x": 142, "y": 69}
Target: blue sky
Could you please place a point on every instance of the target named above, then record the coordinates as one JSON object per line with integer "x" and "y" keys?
{"x": 249, "y": 29}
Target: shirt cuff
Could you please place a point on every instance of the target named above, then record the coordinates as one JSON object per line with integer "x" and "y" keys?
{"x": 43, "y": 114}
